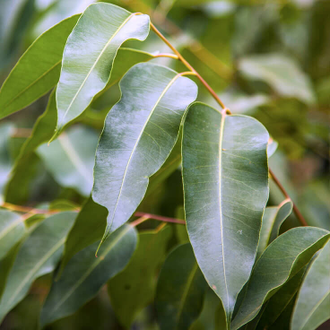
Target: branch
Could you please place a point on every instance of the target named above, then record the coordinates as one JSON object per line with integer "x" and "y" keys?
{"x": 148, "y": 216}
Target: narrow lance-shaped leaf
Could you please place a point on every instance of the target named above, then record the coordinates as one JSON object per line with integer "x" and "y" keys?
{"x": 37, "y": 71}
{"x": 37, "y": 256}
{"x": 89, "y": 54}
{"x": 271, "y": 223}
{"x": 225, "y": 177}
{"x": 313, "y": 303}
{"x": 85, "y": 275}
{"x": 139, "y": 134}
{"x": 134, "y": 288}
{"x": 180, "y": 290}
{"x": 282, "y": 259}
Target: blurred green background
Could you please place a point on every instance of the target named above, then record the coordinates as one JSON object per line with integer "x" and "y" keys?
{"x": 265, "y": 58}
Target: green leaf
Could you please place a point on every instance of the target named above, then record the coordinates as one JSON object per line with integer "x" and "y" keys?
{"x": 85, "y": 275}
{"x": 70, "y": 158}
{"x": 12, "y": 230}
{"x": 271, "y": 223}
{"x": 5, "y": 159}
{"x": 282, "y": 259}
{"x": 272, "y": 147}
{"x": 89, "y": 53}
{"x": 134, "y": 288}
{"x": 139, "y": 134}
{"x": 180, "y": 290}
{"x": 37, "y": 256}
{"x": 313, "y": 303}
{"x": 281, "y": 73}
{"x": 225, "y": 177}
{"x": 37, "y": 71}
{"x": 84, "y": 231}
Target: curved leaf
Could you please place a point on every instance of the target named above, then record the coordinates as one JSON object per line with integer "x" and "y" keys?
{"x": 85, "y": 275}
{"x": 225, "y": 177}
{"x": 89, "y": 54}
{"x": 271, "y": 223}
{"x": 282, "y": 259}
{"x": 134, "y": 288}
{"x": 37, "y": 256}
{"x": 70, "y": 158}
{"x": 139, "y": 134}
{"x": 313, "y": 303}
{"x": 180, "y": 290}
{"x": 38, "y": 69}
{"x": 12, "y": 230}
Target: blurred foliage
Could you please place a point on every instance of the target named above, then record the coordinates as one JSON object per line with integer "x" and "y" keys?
{"x": 269, "y": 59}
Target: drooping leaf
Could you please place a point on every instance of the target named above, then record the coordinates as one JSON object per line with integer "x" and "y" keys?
{"x": 180, "y": 290}
{"x": 38, "y": 69}
{"x": 37, "y": 256}
{"x": 84, "y": 275}
{"x": 87, "y": 229}
{"x": 281, "y": 73}
{"x": 282, "y": 259}
{"x": 5, "y": 159}
{"x": 271, "y": 223}
{"x": 139, "y": 134}
{"x": 313, "y": 303}
{"x": 134, "y": 288}
{"x": 89, "y": 53}
{"x": 12, "y": 230}
{"x": 225, "y": 177}
{"x": 70, "y": 158}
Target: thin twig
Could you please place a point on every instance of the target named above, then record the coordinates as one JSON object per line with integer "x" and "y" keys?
{"x": 158, "y": 217}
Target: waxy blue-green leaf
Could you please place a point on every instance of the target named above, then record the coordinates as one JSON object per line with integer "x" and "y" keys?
{"x": 70, "y": 158}
{"x": 180, "y": 290}
{"x": 139, "y": 134}
{"x": 225, "y": 178}
{"x": 271, "y": 223}
{"x": 89, "y": 54}
{"x": 313, "y": 302}
{"x": 282, "y": 259}
{"x": 12, "y": 230}
{"x": 84, "y": 275}
{"x": 38, "y": 69}
{"x": 134, "y": 288}
{"x": 38, "y": 255}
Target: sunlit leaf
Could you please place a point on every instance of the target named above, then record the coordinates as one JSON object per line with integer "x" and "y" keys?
{"x": 84, "y": 275}
{"x": 225, "y": 179}
{"x": 180, "y": 290}
{"x": 139, "y": 134}
{"x": 89, "y": 53}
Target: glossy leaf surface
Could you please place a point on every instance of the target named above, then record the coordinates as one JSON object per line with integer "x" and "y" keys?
{"x": 282, "y": 259}
{"x": 139, "y": 134}
{"x": 89, "y": 54}
{"x": 38, "y": 69}
{"x": 313, "y": 303}
{"x": 70, "y": 158}
{"x": 84, "y": 275}
{"x": 180, "y": 290}
{"x": 225, "y": 177}
{"x": 37, "y": 256}
{"x": 134, "y": 288}
{"x": 271, "y": 223}
{"x": 5, "y": 159}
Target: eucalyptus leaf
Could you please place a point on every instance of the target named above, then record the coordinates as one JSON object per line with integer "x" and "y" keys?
{"x": 38, "y": 255}
{"x": 271, "y": 223}
{"x": 312, "y": 307}
{"x": 139, "y": 134}
{"x": 134, "y": 288}
{"x": 89, "y": 54}
{"x": 85, "y": 274}
{"x": 225, "y": 177}
{"x": 70, "y": 158}
{"x": 38, "y": 69}
{"x": 282, "y": 259}
{"x": 180, "y": 290}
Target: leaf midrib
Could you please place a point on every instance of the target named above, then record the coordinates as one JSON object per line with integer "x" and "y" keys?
{"x": 11, "y": 226}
